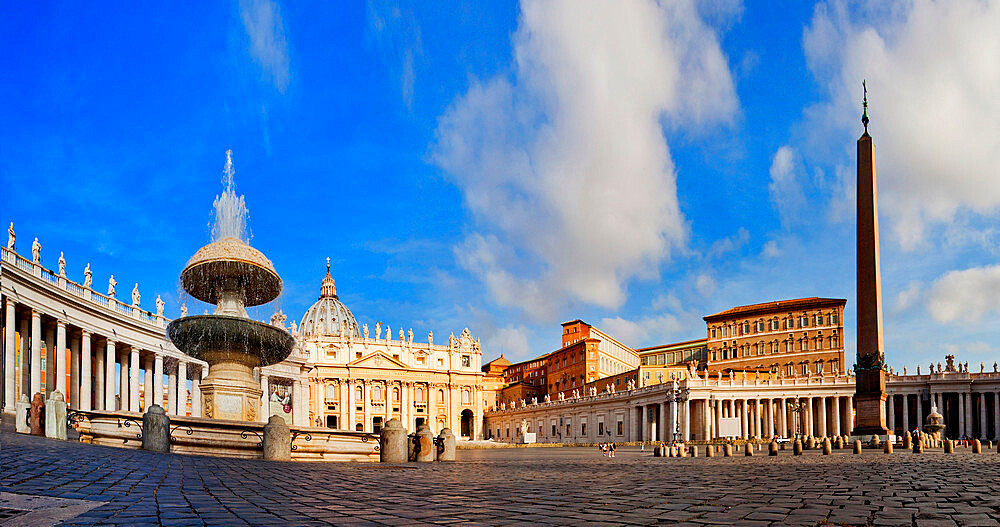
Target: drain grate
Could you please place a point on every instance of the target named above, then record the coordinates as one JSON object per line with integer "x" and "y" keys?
{"x": 6, "y": 514}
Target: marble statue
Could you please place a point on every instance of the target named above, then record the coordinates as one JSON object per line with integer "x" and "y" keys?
{"x": 994, "y": 367}
{"x": 111, "y": 286}
{"x": 278, "y": 319}
{"x": 401, "y": 336}
{"x": 388, "y": 332}
{"x": 88, "y": 276}
{"x": 411, "y": 336}
{"x": 378, "y": 330}
{"x": 430, "y": 338}
{"x": 295, "y": 328}
{"x": 524, "y": 426}
{"x": 365, "y": 329}
{"x": 982, "y": 367}
{"x": 135, "y": 295}
{"x": 10, "y": 237}
{"x": 36, "y": 251}
{"x": 562, "y": 396}
{"x": 918, "y": 369}
{"x": 904, "y": 370}
{"x": 547, "y": 398}
{"x": 184, "y": 310}
{"x": 159, "y": 306}
{"x": 62, "y": 264}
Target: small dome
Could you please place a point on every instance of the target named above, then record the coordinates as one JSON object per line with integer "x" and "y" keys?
{"x": 328, "y": 315}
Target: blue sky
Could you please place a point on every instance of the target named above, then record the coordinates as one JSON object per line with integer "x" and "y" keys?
{"x": 507, "y": 167}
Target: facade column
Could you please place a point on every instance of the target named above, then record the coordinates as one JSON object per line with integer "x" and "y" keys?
{"x": 147, "y": 385}
{"x": 99, "y": 390}
{"x": 24, "y": 379}
{"x": 9, "y": 386}
{"x": 706, "y": 420}
{"x": 768, "y": 418}
{"x": 756, "y": 428}
{"x": 36, "y": 353}
{"x": 109, "y": 376}
{"x": 265, "y": 398}
{"x": 810, "y": 420}
{"x": 996, "y": 415}
{"x": 784, "y": 418}
{"x": 123, "y": 377}
{"x": 196, "y": 410}
{"x": 298, "y": 412}
{"x": 686, "y": 422}
{"x": 961, "y": 414}
{"x": 920, "y": 412}
{"x": 60, "y": 357}
{"x": 666, "y": 425}
{"x": 73, "y": 399}
{"x": 158, "y": 380}
{"x": 133, "y": 379}
{"x": 745, "y": 430}
{"x": 350, "y": 407}
{"x": 718, "y": 418}
{"x": 172, "y": 391}
{"x": 836, "y": 415}
{"x": 906, "y": 412}
{"x": 890, "y": 413}
{"x": 182, "y": 388}
{"x": 982, "y": 415}
{"x": 86, "y": 373}
{"x": 50, "y": 360}
{"x": 822, "y": 417}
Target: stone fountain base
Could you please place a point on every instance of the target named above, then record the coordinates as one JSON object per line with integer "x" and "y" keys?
{"x": 230, "y": 392}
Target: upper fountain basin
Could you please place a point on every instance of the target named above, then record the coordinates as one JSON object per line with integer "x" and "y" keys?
{"x": 230, "y": 265}
{"x": 209, "y": 337}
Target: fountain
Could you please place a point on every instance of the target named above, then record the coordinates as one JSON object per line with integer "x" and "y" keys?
{"x": 232, "y": 275}
{"x": 935, "y": 424}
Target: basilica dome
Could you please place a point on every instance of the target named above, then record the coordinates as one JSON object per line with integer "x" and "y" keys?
{"x": 328, "y": 315}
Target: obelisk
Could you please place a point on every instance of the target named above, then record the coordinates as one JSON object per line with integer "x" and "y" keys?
{"x": 870, "y": 388}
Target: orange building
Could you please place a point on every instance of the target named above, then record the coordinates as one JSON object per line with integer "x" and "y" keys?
{"x": 588, "y": 354}
{"x": 799, "y": 336}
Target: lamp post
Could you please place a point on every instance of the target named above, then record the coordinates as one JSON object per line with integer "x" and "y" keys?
{"x": 797, "y": 408}
{"x": 676, "y": 396}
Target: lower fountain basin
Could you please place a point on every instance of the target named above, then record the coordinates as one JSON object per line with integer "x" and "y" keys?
{"x": 214, "y": 337}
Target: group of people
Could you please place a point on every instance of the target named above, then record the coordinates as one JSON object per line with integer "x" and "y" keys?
{"x": 607, "y": 449}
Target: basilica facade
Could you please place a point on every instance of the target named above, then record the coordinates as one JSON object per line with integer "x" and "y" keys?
{"x": 360, "y": 377}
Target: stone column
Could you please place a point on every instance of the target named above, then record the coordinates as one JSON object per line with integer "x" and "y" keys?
{"x": 821, "y": 416}
{"x": 982, "y": 415}
{"x": 961, "y": 414}
{"x": 906, "y": 412}
{"x": 718, "y": 416}
{"x": 265, "y": 399}
{"x": 172, "y": 391}
{"x": 706, "y": 420}
{"x": 24, "y": 379}
{"x": 300, "y": 412}
{"x": 784, "y": 418}
{"x": 60, "y": 356}
{"x": 182, "y": 388}
{"x": 147, "y": 385}
{"x": 768, "y": 418}
{"x": 836, "y": 415}
{"x": 667, "y": 422}
{"x": 996, "y": 415}
{"x": 109, "y": 376}
{"x": 133, "y": 379}
{"x": 86, "y": 372}
{"x": 50, "y": 360}
{"x": 99, "y": 372}
{"x": 686, "y": 421}
{"x": 73, "y": 397}
{"x": 36, "y": 353}
{"x": 9, "y": 386}
{"x": 756, "y": 428}
{"x": 158, "y": 380}
{"x": 351, "y": 416}
{"x": 810, "y": 421}
{"x": 745, "y": 430}
{"x": 123, "y": 378}
{"x": 890, "y": 413}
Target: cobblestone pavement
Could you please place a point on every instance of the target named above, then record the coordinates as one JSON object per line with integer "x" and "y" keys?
{"x": 539, "y": 486}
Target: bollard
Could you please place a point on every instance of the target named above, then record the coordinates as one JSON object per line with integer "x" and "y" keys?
{"x": 810, "y": 443}
{"x": 998, "y": 447}
{"x": 727, "y": 450}
{"x": 681, "y": 451}
{"x": 670, "y": 451}
{"x": 37, "y": 415}
{"x": 23, "y": 413}
{"x": 657, "y": 452}
{"x": 977, "y": 447}
{"x": 425, "y": 444}
{"x": 748, "y": 450}
{"x": 907, "y": 441}
{"x": 857, "y": 446}
{"x": 949, "y": 446}
{"x": 797, "y": 447}
{"x": 918, "y": 447}
{"x": 277, "y": 439}
{"x": 840, "y": 443}
{"x": 392, "y": 444}
{"x": 446, "y": 445}
{"x": 155, "y": 430}
{"x": 55, "y": 416}
{"x": 709, "y": 451}
{"x": 772, "y": 448}
{"x": 887, "y": 448}
{"x": 827, "y": 450}
{"x": 694, "y": 451}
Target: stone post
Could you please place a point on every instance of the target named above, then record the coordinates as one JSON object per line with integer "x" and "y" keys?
{"x": 277, "y": 439}
{"x": 392, "y": 443}
{"x": 827, "y": 450}
{"x": 797, "y": 447}
{"x": 425, "y": 444}
{"x": 155, "y": 429}
{"x": 38, "y": 415}
{"x": 727, "y": 450}
{"x": 887, "y": 448}
{"x": 907, "y": 440}
{"x": 949, "y": 446}
{"x": 55, "y": 415}
{"x": 857, "y": 446}
{"x": 918, "y": 447}
{"x": 158, "y": 380}
{"x": 694, "y": 451}
{"x": 772, "y": 448}
{"x": 977, "y": 447}
{"x": 23, "y": 408}
{"x": 446, "y": 445}
{"x": 748, "y": 449}
{"x": 709, "y": 451}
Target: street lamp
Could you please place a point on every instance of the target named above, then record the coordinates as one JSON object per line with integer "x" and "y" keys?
{"x": 797, "y": 408}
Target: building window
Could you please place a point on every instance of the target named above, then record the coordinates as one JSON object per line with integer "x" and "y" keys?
{"x": 465, "y": 397}
{"x": 395, "y": 394}
{"x": 376, "y": 393}
{"x": 359, "y": 394}
{"x": 834, "y": 316}
{"x": 713, "y": 333}
{"x": 553, "y": 430}
{"x": 419, "y": 397}
{"x": 331, "y": 391}
{"x": 621, "y": 428}
{"x": 440, "y": 396}
{"x": 583, "y": 429}
{"x": 465, "y": 361}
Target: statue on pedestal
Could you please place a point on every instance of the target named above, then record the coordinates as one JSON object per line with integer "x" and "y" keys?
{"x": 159, "y": 306}
{"x": 135, "y": 295}
{"x": 10, "y": 237}
{"x": 184, "y": 311}
{"x": 430, "y": 338}
{"x": 88, "y": 276}
{"x": 364, "y": 328}
{"x": 111, "y": 286}
{"x": 36, "y": 251}
{"x": 62, "y": 264}
{"x": 410, "y": 335}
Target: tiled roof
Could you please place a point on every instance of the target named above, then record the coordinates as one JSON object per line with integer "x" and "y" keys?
{"x": 780, "y": 305}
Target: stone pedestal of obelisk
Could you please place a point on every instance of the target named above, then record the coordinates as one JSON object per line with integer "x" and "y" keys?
{"x": 870, "y": 388}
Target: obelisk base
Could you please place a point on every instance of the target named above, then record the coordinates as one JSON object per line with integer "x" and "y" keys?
{"x": 869, "y": 404}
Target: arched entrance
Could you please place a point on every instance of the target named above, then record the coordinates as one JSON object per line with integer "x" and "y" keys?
{"x": 466, "y": 428}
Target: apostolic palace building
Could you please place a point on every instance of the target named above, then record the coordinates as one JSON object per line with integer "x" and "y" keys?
{"x": 774, "y": 368}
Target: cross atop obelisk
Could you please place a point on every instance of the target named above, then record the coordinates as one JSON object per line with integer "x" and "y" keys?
{"x": 870, "y": 396}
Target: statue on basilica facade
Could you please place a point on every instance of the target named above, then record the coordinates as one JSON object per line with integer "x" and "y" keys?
{"x": 430, "y": 338}
{"x": 410, "y": 335}
{"x": 378, "y": 330}
{"x": 184, "y": 310}
{"x": 388, "y": 332}
{"x": 111, "y": 286}
{"x": 364, "y": 327}
{"x": 159, "y": 306}
{"x": 10, "y": 237}
{"x": 135, "y": 295}
{"x": 295, "y": 328}
{"x": 36, "y": 251}
{"x": 62, "y": 264}
{"x": 88, "y": 276}
{"x": 401, "y": 337}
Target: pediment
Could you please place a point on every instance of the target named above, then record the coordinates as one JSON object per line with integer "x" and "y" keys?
{"x": 377, "y": 359}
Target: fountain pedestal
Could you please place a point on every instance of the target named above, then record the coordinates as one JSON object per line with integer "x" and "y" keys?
{"x": 229, "y": 392}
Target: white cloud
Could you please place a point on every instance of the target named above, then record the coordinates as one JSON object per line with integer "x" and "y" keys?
{"x": 933, "y": 78}
{"x": 396, "y": 34}
{"x": 908, "y": 297}
{"x": 645, "y": 331}
{"x": 263, "y": 24}
{"x": 564, "y": 164}
{"x": 705, "y": 284}
{"x": 730, "y": 244}
{"x": 771, "y": 249}
{"x": 785, "y": 188}
{"x": 510, "y": 341}
{"x": 965, "y": 295}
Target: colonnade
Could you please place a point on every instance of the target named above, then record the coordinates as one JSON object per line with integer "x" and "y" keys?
{"x": 44, "y": 352}
{"x": 966, "y": 413}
